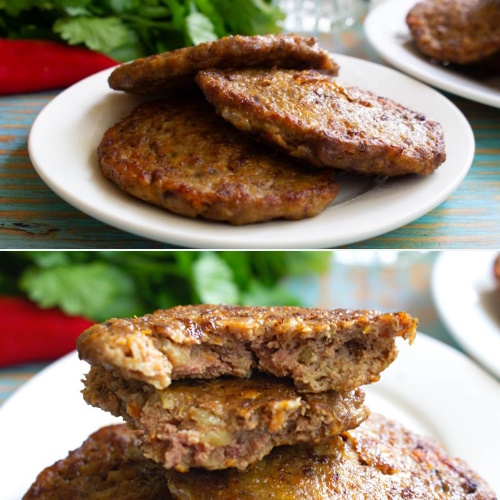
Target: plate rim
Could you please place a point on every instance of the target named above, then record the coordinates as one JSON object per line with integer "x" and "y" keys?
{"x": 185, "y": 232}
{"x": 370, "y": 27}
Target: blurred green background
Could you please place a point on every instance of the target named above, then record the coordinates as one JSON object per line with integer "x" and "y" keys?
{"x": 99, "y": 285}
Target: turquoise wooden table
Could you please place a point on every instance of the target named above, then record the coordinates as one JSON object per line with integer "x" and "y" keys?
{"x": 387, "y": 282}
{"x": 32, "y": 216}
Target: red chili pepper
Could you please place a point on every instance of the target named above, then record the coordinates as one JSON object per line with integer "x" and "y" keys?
{"x": 33, "y": 65}
{"x": 28, "y": 333}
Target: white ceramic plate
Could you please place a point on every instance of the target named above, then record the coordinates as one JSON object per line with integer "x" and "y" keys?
{"x": 63, "y": 141}
{"x": 431, "y": 388}
{"x": 466, "y": 297}
{"x": 386, "y": 29}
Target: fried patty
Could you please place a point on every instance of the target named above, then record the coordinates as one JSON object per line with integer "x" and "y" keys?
{"x": 226, "y": 422}
{"x": 178, "y": 154}
{"x": 379, "y": 459}
{"x": 456, "y": 31}
{"x": 319, "y": 349}
{"x": 176, "y": 70}
{"x": 314, "y": 117}
{"x": 108, "y": 466}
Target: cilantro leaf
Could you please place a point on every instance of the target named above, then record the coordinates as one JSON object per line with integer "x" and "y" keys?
{"x": 213, "y": 280}
{"x": 97, "y": 290}
{"x": 128, "y": 29}
{"x": 199, "y": 28}
{"x": 101, "y": 34}
{"x": 251, "y": 16}
{"x": 103, "y": 284}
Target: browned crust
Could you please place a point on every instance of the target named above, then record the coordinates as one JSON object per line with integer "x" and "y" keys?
{"x": 456, "y": 31}
{"x": 379, "y": 459}
{"x": 226, "y": 422}
{"x": 177, "y": 69}
{"x": 108, "y": 465}
{"x": 179, "y": 155}
{"x": 320, "y": 349}
{"x": 314, "y": 117}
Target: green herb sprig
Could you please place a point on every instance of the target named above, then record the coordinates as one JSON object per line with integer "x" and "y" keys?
{"x": 128, "y": 29}
{"x": 100, "y": 285}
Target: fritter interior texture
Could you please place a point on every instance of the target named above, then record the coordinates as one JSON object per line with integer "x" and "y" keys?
{"x": 379, "y": 459}
{"x": 314, "y": 117}
{"x": 456, "y": 31}
{"x": 179, "y": 155}
{"x": 176, "y": 70}
{"x": 108, "y": 466}
{"x": 225, "y": 422}
{"x": 319, "y": 349}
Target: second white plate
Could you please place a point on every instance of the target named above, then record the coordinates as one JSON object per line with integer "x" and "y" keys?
{"x": 63, "y": 141}
{"x": 468, "y": 301}
{"x": 386, "y": 29}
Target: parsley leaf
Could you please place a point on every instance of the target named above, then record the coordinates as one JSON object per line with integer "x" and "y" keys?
{"x": 96, "y": 290}
{"x": 213, "y": 280}
{"x": 101, "y": 34}
{"x": 199, "y": 28}
{"x": 128, "y": 29}
{"x": 104, "y": 284}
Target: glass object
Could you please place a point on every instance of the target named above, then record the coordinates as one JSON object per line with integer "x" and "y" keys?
{"x": 315, "y": 17}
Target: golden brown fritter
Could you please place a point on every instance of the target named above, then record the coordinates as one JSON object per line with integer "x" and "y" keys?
{"x": 379, "y": 459}
{"x": 314, "y": 117}
{"x": 456, "y": 31}
{"x": 319, "y": 349}
{"x": 226, "y": 422}
{"x": 108, "y": 466}
{"x": 178, "y": 154}
{"x": 176, "y": 70}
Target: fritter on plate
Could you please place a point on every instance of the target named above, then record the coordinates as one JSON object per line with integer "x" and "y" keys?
{"x": 379, "y": 459}
{"x": 225, "y": 422}
{"x": 456, "y": 31}
{"x": 314, "y": 117}
{"x": 176, "y": 70}
{"x": 178, "y": 154}
{"x": 319, "y": 349}
{"x": 108, "y": 466}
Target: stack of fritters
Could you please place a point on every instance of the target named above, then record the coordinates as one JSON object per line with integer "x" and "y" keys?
{"x": 209, "y": 391}
{"x": 280, "y": 124}
{"x": 220, "y": 386}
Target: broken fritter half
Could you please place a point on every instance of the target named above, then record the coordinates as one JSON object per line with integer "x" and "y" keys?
{"x": 319, "y": 349}
{"x": 224, "y": 422}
